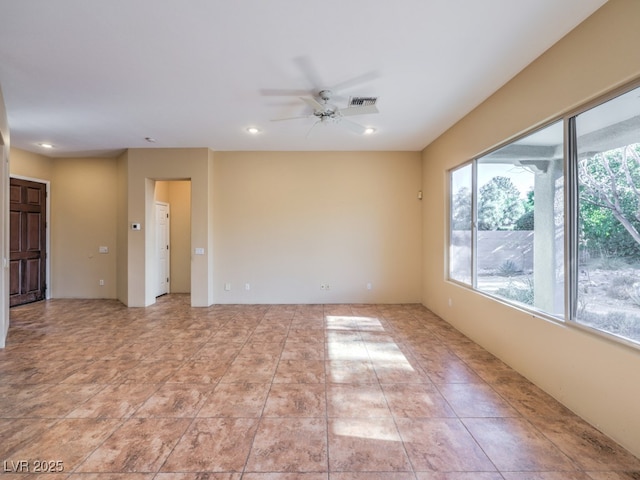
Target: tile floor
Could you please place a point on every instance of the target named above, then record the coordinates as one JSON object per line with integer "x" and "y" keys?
{"x": 281, "y": 392}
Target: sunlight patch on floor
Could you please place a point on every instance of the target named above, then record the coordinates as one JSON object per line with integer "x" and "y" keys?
{"x": 350, "y": 322}
{"x": 363, "y": 428}
{"x": 389, "y": 355}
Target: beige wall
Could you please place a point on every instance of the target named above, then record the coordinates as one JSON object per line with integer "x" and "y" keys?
{"x": 83, "y": 218}
{"x": 287, "y": 222}
{"x": 31, "y": 165}
{"x": 594, "y": 377}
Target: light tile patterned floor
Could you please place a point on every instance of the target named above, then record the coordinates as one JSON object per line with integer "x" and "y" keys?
{"x": 281, "y": 392}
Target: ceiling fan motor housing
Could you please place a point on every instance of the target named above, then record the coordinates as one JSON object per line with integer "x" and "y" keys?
{"x": 325, "y": 95}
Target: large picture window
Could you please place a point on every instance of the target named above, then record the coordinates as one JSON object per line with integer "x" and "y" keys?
{"x": 607, "y": 267}
{"x": 508, "y": 223}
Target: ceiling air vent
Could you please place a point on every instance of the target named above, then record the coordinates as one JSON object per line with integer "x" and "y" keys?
{"x": 362, "y": 101}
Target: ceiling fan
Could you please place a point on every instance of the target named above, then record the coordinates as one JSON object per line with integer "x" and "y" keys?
{"x": 326, "y": 112}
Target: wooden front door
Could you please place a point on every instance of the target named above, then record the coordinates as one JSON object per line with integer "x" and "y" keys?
{"x": 28, "y": 241}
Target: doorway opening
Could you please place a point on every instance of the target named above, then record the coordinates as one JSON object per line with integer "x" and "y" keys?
{"x": 172, "y": 237}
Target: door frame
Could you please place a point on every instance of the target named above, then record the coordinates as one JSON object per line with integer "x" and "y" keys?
{"x": 47, "y": 262}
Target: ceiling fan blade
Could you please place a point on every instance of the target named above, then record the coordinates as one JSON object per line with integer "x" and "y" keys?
{"x": 283, "y": 92}
{"x": 306, "y": 67}
{"x": 353, "y": 126}
{"x": 312, "y": 128}
{"x": 290, "y": 118}
{"x": 313, "y": 103}
{"x": 355, "y": 81}
{"x": 359, "y": 110}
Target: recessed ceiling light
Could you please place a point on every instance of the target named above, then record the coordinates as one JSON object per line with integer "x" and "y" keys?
{"x": 253, "y": 130}
{"x": 369, "y": 131}
{"x": 45, "y": 145}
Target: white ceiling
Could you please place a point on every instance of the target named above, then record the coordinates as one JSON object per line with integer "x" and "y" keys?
{"x": 95, "y": 77}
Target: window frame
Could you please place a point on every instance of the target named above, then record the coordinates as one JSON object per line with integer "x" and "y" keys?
{"x": 571, "y": 227}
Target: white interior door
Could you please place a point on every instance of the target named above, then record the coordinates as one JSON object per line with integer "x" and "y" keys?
{"x": 163, "y": 247}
